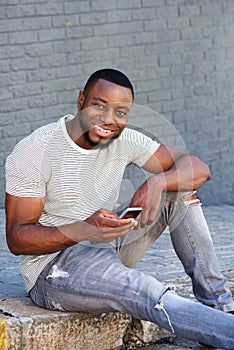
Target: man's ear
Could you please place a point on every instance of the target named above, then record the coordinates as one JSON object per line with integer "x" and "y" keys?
{"x": 80, "y": 100}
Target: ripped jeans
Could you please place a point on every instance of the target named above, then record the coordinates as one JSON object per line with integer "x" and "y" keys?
{"x": 102, "y": 278}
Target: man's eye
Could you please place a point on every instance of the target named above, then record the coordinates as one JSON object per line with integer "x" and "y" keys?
{"x": 98, "y": 105}
{"x": 121, "y": 113}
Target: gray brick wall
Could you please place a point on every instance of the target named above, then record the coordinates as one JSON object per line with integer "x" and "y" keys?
{"x": 178, "y": 53}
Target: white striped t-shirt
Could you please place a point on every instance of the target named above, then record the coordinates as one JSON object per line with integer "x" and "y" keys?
{"x": 74, "y": 181}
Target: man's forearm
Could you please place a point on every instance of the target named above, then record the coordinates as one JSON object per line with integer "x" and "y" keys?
{"x": 188, "y": 173}
{"x": 35, "y": 239}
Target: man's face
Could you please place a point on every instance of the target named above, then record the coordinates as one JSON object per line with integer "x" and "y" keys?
{"x": 104, "y": 112}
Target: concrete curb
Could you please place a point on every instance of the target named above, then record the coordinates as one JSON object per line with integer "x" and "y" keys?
{"x": 24, "y": 326}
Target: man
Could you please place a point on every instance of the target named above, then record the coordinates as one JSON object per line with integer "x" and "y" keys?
{"x": 62, "y": 185}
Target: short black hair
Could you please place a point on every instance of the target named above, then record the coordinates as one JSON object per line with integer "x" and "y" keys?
{"x": 112, "y": 75}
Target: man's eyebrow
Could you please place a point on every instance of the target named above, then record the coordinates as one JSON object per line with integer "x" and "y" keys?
{"x": 100, "y": 99}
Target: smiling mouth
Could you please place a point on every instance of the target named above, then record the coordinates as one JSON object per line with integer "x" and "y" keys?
{"x": 102, "y": 132}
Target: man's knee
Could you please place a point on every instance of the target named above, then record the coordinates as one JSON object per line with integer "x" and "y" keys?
{"x": 188, "y": 198}
{"x": 191, "y": 198}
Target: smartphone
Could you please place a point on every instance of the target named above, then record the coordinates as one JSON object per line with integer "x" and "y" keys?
{"x": 131, "y": 212}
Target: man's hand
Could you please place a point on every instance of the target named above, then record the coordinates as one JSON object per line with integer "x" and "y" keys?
{"x": 148, "y": 196}
{"x": 104, "y": 226}
{"x": 175, "y": 171}
{"x": 26, "y": 237}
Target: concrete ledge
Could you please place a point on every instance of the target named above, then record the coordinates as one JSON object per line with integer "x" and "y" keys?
{"x": 26, "y": 326}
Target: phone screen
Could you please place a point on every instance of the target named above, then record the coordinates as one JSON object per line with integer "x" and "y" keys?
{"x": 130, "y": 213}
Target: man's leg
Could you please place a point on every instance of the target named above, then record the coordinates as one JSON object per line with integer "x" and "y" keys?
{"x": 94, "y": 280}
{"x": 192, "y": 242}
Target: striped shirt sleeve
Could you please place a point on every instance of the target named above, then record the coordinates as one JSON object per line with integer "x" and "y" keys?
{"x": 24, "y": 171}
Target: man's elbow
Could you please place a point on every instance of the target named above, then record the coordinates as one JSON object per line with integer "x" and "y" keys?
{"x": 207, "y": 172}
{"x": 12, "y": 245}
{"x": 204, "y": 176}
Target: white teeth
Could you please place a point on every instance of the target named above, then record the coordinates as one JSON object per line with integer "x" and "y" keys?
{"x": 102, "y": 130}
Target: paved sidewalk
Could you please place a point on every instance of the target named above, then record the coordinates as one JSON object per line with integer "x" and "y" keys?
{"x": 161, "y": 262}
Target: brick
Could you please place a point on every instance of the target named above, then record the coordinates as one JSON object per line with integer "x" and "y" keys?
{"x": 167, "y": 12}
{"x": 92, "y": 18}
{"x": 51, "y": 34}
{"x": 20, "y": 11}
{"x": 119, "y": 16}
{"x": 120, "y": 40}
{"x": 41, "y": 75}
{"x": 3, "y": 39}
{"x": 38, "y": 49}
{"x": 68, "y": 21}
{"x": 211, "y": 7}
{"x": 132, "y": 51}
{"x": 36, "y": 23}
{"x": 157, "y": 72}
{"x": 180, "y": 22}
{"x": 9, "y": 25}
{"x": 24, "y": 63}
{"x": 125, "y": 4}
{"x": 148, "y": 85}
{"x": 10, "y": 51}
{"x": 144, "y": 38}
{"x": 2, "y": 12}
{"x": 167, "y": 82}
{"x": 143, "y": 14}
{"x": 191, "y": 33}
{"x": 77, "y": 7}
{"x": 154, "y": 49}
{"x": 172, "y": 106}
{"x": 106, "y": 29}
{"x": 78, "y": 32}
{"x": 131, "y": 27}
{"x": 16, "y": 130}
{"x": 167, "y": 35}
{"x": 12, "y": 78}
{"x": 154, "y": 25}
{"x": 5, "y": 94}
{"x": 180, "y": 94}
{"x": 201, "y": 21}
{"x": 181, "y": 69}
{"x": 153, "y": 3}
{"x": 228, "y": 7}
{"x": 93, "y": 43}
{"x": 61, "y": 83}
{"x": 189, "y": 10}
{"x": 102, "y": 5}
{"x": 68, "y": 46}
{"x": 43, "y": 100}
{"x": 23, "y": 37}
{"x": 50, "y": 8}
{"x": 170, "y": 59}
{"x": 159, "y": 95}
{"x": 13, "y": 105}
{"x": 23, "y": 90}
{"x": 190, "y": 56}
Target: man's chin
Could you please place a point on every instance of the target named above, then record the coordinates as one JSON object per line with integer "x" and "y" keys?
{"x": 99, "y": 141}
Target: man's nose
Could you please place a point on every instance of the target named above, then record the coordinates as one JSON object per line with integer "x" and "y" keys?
{"x": 107, "y": 116}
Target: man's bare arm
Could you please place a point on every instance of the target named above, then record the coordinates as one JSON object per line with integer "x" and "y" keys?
{"x": 174, "y": 170}
{"x": 178, "y": 169}
{"x": 26, "y": 236}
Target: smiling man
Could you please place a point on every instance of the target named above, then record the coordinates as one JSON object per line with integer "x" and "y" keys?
{"x": 62, "y": 186}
